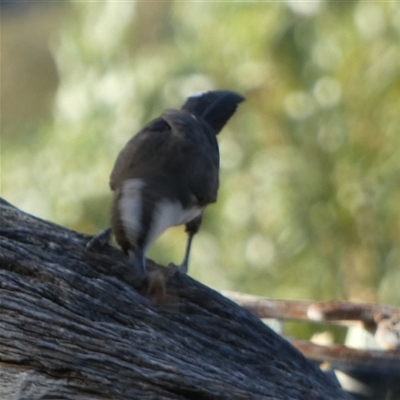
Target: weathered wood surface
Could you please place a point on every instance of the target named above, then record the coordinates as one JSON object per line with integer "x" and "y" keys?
{"x": 78, "y": 325}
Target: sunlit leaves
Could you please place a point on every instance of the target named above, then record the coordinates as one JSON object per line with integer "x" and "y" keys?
{"x": 309, "y": 205}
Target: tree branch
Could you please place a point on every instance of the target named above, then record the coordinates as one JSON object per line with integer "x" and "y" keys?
{"x": 79, "y": 325}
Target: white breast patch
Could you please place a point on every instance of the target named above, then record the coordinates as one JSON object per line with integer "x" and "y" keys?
{"x": 170, "y": 213}
{"x": 131, "y": 207}
{"x": 166, "y": 213}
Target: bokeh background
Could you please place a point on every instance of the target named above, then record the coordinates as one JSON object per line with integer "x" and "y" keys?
{"x": 309, "y": 205}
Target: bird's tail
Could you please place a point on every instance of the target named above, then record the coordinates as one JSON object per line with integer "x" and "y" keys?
{"x": 215, "y": 107}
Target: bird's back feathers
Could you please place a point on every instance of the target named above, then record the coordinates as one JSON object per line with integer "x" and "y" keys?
{"x": 169, "y": 171}
{"x": 177, "y": 153}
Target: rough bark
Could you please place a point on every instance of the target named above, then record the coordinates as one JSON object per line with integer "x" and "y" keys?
{"x": 78, "y": 325}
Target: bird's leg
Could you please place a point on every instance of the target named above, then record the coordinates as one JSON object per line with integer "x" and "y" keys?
{"x": 185, "y": 263}
{"x": 138, "y": 260}
{"x": 192, "y": 228}
{"x": 99, "y": 240}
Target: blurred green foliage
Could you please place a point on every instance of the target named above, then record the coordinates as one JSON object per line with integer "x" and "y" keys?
{"x": 309, "y": 205}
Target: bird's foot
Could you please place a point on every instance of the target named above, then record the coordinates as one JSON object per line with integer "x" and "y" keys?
{"x": 138, "y": 260}
{"x": 183, "y": 268}
{"x": 99, "y": 240}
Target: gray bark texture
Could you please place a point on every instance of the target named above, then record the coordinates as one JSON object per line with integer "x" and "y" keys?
{"x": 77, "y": 324}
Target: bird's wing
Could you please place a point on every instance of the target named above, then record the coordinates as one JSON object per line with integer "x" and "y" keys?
{"x": 177, "y": 152}
{"x": 198, "y": 157}
{"x": 142, "y": 155}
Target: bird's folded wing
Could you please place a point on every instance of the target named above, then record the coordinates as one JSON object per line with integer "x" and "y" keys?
{"x": 175, "y": 150}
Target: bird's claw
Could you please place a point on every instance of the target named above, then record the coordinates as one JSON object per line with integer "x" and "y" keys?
{"x": 182, "y": 269}
{"x": 99, "y": 240}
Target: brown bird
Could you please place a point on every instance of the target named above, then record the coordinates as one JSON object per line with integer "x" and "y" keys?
{"x": 167, "y": 174}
